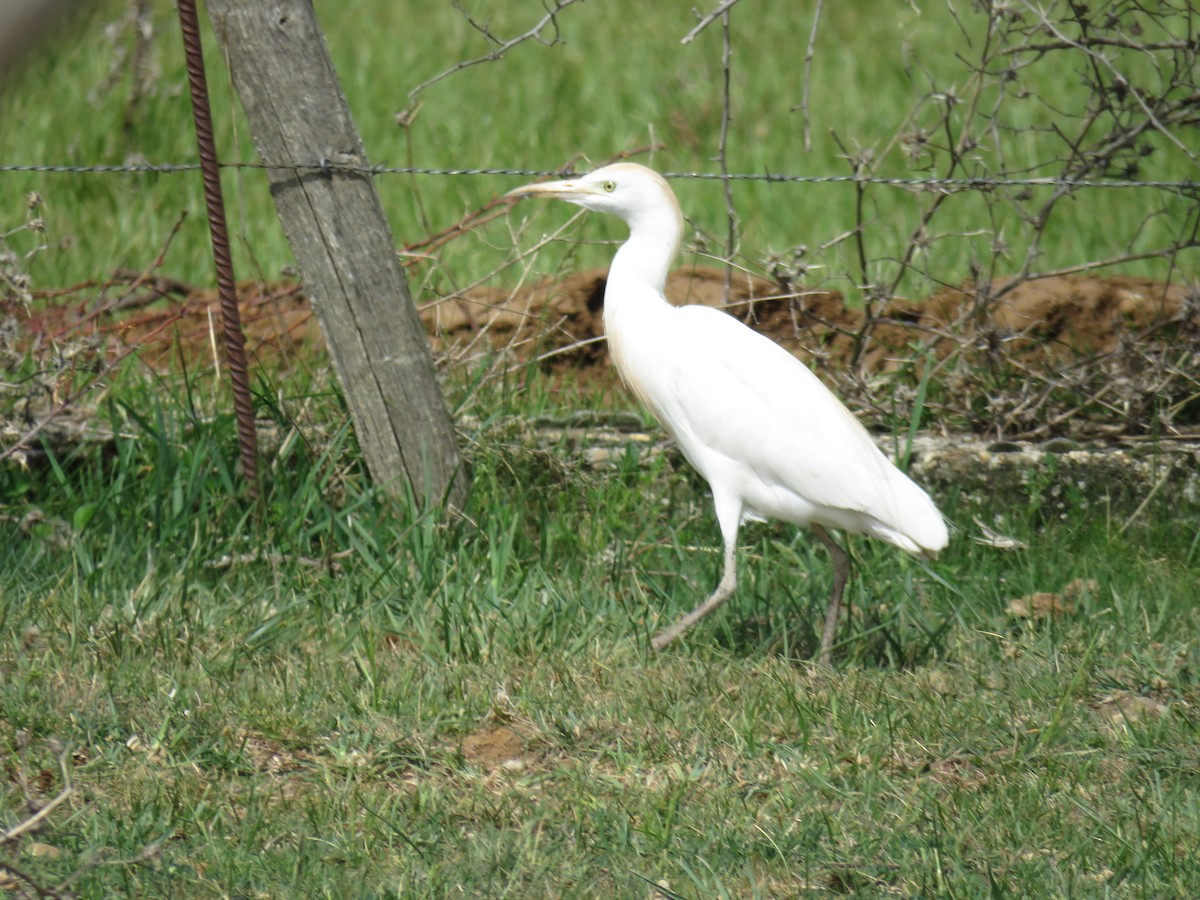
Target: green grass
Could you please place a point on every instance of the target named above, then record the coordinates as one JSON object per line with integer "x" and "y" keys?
{"x": 295, "y": 696}
{"x": 620, "y": 80}
{"x": 285, "y": 698}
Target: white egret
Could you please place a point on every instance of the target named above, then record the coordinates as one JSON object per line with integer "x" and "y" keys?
{"x": 769, "y": 438}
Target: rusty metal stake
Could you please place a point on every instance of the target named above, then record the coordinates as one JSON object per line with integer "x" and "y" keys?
{"x": 231, "y": 320}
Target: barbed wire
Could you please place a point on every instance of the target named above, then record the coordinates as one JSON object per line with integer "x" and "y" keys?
{"x": 329, "y": 168}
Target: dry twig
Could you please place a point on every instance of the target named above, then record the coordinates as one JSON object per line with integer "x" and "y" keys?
{"x": 549, "y": 20}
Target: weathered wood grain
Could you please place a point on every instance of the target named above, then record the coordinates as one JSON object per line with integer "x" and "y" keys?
{"x": 343, "y": 246}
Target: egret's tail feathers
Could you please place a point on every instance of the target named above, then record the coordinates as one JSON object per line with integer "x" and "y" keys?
{"x": 918, "y": 526}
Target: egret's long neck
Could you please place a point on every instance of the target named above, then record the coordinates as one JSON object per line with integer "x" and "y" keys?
{"x": 641, "y": 265}
{"x": 635, "y": 295}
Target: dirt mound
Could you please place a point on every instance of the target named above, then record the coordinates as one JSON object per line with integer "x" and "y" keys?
{"x": 1072, "y": 356}
{"x": 1075, "y": 356}
{"x": 493, "y": 747}
{"x": 561, "y": 320}
{"x": 1056, "y": 318}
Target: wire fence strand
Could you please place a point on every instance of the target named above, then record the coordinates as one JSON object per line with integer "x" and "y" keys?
{"x": 330, "y": 168}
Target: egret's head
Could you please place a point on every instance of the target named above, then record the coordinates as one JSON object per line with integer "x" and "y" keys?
{"x": 638, "y": 195}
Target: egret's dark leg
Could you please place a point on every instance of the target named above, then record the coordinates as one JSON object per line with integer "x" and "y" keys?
{"x": 841, "y": 572}
{"x": 723, "y": 592}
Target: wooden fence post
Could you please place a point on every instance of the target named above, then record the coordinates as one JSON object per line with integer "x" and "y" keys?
{"x": 343, "y": 246}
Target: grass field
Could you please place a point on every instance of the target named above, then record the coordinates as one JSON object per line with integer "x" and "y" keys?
{"x": 315, "y": 695}
{"x": 875, "y": 78}
{"x": 321, "y": 693}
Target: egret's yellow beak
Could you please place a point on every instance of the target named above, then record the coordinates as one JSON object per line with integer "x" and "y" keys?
{"x": 566, "y": 189}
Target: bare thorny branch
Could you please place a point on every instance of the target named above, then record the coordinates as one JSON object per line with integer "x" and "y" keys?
{"x": 723, "y": 145}
{"x": 60, "y": 380}
{"x": 721, "y": 12}
{"x": 1143, "y": 85}
{"x": 806, "y": 89}
{"x": 548, "y": 22}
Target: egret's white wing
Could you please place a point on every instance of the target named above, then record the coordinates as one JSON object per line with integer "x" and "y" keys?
{"x": 722, "y": 388}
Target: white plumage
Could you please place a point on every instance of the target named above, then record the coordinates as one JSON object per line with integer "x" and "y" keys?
{"x": 769, "y": 438}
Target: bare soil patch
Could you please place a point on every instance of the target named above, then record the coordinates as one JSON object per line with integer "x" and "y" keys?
{"x": 493, "y": 746}
{"x": 561, "y": 320}
{"x": 1053, "y": 319}
{"x": 1076, "y": 356}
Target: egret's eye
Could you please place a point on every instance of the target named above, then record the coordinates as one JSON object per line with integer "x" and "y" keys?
{"x": 609, "y": 186}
